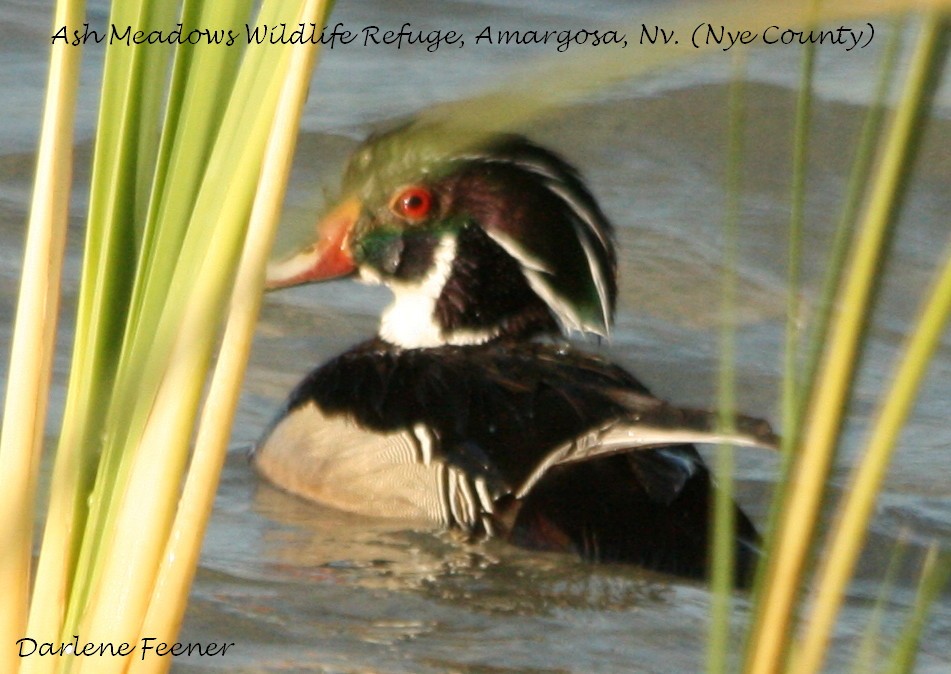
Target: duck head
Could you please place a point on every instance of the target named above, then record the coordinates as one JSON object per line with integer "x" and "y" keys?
{"x": 479, "y": 239}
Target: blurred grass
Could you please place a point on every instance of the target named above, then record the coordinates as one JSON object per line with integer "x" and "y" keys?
{"x": 869, "y": 651}
{"x": 723, "y": 548}
{"x": 934, "y": 576}
{"x": 789, "y": 556}
{"x": 175, "y": 171}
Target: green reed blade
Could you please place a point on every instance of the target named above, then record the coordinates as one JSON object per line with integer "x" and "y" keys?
{"x": 180, "y": 560}
{"x": 868, "y": 652}
{"x": 112, "y": 232}
{"x": 777, "y": 606}
{"x": 105, "y": 285}
{"x": 934, "y": 576}
{"x": 845, "y": 227}
{"x": 797, "y": 203}
{"x": 849, "y": 533}
{"x": 168, "y": 381}
{"x": 791, "y": 381}
{"x": 723, "y": 540}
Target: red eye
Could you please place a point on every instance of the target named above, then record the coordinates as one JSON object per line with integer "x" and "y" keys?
{"x": 413, "y": 203}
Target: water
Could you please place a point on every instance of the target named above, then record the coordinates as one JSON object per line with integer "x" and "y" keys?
{"x": 302, "y": 588}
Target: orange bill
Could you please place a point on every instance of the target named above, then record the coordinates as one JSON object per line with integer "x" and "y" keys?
{"x": 327, "y": 258}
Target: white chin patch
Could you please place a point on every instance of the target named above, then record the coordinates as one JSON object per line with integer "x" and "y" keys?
{"x": 410, "y": 321}
{"x": 369, "y": 277}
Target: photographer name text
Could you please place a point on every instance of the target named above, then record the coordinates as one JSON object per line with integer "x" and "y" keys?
{"x": 146, "y": 647}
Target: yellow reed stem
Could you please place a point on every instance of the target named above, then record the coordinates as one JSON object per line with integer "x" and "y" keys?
{"x": 847, "y": 537}
{"x": 167, "y": 607}
{"x": 777, "y": 605}
{"x": 31, "y": 355}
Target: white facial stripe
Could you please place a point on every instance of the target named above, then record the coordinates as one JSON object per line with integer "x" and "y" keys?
{"x": 369, "y": 276}
{"x": 513, "y": 248}
{"x": 535, "y": 272}
{"x": 565, "y": 313}
{"x": 590, "y": 222}
{"x": 410, "y": 320}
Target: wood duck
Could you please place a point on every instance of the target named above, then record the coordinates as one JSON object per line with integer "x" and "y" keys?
{"x": 470, "y": 410}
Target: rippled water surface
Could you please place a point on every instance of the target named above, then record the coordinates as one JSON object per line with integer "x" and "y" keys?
{"x": 302, "y": 588}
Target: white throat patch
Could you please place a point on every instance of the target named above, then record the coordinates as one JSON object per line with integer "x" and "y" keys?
{"x": 410, "y": 320}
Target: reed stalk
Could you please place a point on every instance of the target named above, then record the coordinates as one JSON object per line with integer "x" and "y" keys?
{"x": 851, "y": 526}
{"x": 180, "y": 560}
{"x": 166, "y": 226}
{"x": 935, "y": 573}
{"x": 115, "y": 196}
{"x": 868, "y": 652}
{"x": 723, "y": 547}
{"x": 31, "y": 357}
{"x": 776, "y": 608}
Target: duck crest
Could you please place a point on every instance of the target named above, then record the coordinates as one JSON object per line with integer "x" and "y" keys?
{"x": 549, "y": 222}
{"x": 501, "y": 197}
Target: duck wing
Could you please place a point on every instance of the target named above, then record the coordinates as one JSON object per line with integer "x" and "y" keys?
{"x": 509, "y": 413}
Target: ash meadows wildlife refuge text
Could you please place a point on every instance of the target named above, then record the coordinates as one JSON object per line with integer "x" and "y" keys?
{"x": 702, "y": 35}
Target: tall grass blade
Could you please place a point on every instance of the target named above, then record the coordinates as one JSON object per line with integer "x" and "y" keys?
{"x": 868, "y": 653}
{"x": 166, "y": 609}
{"x": 851, "y": 527}
{"x": 165, "y": 374}
{"x": 31, "y": 356}
{"x": 791, "y": 375}
{"x": 109, "y": 266}
{"x": 789, "y": 397}
{"x": 845, "y": 227}
{"x": 105, "y": 285}
{"x": 861, "y": 164}
{"x": 723, "y": 543}
{"x": 158, "y": 423}
{"x": 776, "y": 607}
{"x": 934, "y": 576}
